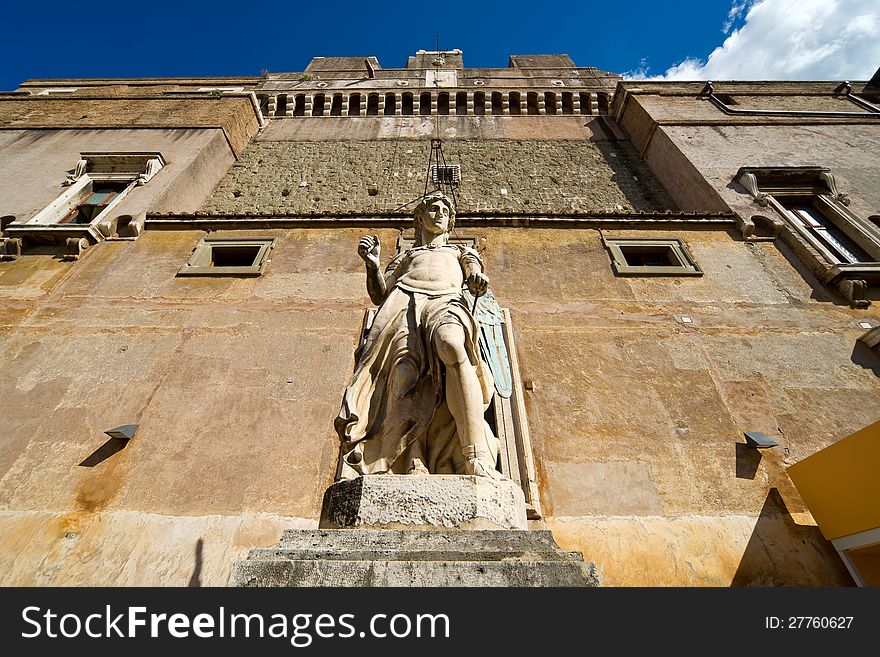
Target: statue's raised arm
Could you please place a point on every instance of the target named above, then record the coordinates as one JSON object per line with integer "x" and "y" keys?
{"x": 369, "y": 250}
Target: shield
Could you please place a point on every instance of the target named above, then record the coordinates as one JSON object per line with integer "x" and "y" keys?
{"x": 492, "y": 346}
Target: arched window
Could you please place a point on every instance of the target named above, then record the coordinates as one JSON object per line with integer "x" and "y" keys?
{"x": 586, "y": 104}
{"x": 567, "y": 102}
{"x": 299, "y": 105}
{"x": 406, "y": 104}
{"x": 373, "y": 105}
{"x": 336, "y": 105}
{"x": 532, "y": 103}
{"x": 497, "y": 103}
{"x": 443, "y": 103}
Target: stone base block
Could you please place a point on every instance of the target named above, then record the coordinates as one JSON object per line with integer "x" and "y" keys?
{"x": 405, "y": 558}
{"x": 424, "y": 502}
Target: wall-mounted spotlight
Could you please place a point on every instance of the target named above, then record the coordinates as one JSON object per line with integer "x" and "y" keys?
{"x": 759, "y": 440}
{"x": 124, "y": 432}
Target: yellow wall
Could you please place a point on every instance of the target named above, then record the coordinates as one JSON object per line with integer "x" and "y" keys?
{"x": 840, "y": 486}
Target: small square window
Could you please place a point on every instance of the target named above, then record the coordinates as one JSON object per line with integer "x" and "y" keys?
{"x": 445, "y": 174}
{"x": 219, "y": 256}
{"x": 650, "y": 257}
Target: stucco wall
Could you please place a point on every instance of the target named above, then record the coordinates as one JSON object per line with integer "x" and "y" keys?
{"x": 635, "y": 417}
{"x": 695, "y": 149}
{"x": 34, "y": 165}
{"x": 718, "y": 152}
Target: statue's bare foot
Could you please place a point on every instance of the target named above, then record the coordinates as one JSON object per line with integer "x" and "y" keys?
{"x": 417, "y": 467}
{"x": 479, "y": 462}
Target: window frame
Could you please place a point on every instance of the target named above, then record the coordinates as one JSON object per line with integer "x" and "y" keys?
{"x": 127, "y": 169}
{"x": 81, "y": 190}
{"x": 687, "y": 265}
{"x": 836, "y": 213}
{"x": 201, "y": 254}
{"x": 774, "y": 186}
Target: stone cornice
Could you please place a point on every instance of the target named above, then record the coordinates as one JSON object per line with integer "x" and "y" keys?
{"x": 264, "y": 220}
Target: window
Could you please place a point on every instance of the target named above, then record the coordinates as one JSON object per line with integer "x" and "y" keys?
{"x": 808, "y": 200}
{"x": 97, "y": 199}
{"x": 336, "y": 105}
{"x": 841, "y": 248}
{"x": 354, "y": 105}
{"x": 390, "y": 108}
{"x": 650, "y": 257}
{"x": 228, "y": 256}
{"x": 95, "y": 187}
{"x": 513, "y": 103}
{"x": 808, "y": 215}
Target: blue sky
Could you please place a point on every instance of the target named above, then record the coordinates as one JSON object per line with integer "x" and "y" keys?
{"x": 639, "y": 38}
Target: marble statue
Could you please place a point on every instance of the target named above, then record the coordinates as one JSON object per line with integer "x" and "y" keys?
{"x": 416, "y": 400}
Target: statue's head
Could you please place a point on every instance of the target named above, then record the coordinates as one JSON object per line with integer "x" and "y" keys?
{"x": 435, "y": 213}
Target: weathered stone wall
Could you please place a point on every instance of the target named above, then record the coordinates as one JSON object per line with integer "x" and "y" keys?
{"x": 376, "y": 176}
{"x": 235, "y": 115}
{"x": 635, "y": 417}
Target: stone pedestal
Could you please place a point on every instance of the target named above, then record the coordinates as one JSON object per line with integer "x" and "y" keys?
{"x": 406, "y": 530}
{"x": 429, "y": 502}
{"x": 407, "y": 558}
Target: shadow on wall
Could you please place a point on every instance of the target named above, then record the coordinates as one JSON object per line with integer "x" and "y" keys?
{"x": 196, "y": 579}
{"x": 633, "y": 178}
{"x": 104, "y": 452}
{"x": 747, "y": 461}
{"x": 864, "y": 356}
{"x": 820, "y": 291}
{"x": 781, "y": 552}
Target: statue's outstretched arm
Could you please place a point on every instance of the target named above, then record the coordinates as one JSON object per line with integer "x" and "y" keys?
{"x": 369, "y": 249}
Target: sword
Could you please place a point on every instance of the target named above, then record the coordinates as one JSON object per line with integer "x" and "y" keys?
{"x": 474, "y": 309}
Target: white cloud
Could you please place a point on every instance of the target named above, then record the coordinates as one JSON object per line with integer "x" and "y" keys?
{"x": 790, "y": 40}
{"x": 736, "y": 10}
